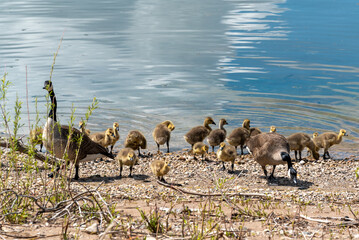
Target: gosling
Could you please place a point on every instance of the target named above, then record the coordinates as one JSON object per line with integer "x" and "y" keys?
{"x": 227, "y": 153}
{"x": 328, "y": 139}
{"x": 116, "y": 137}
{"x": 272, "y": 129}
{"x": 36, "y": 137}
{"x": 127, "y": 157}
{"x": 104, "y": 139}
{"x": 200, "y": 148}
{"x": 218, "y": 135}
{"x": 199, "y": 133}
{"x": 136, "y": 141}
{"x": 160, "y": 168}
{"x": 299, "y": 141}
{"x": 271, "y": 149}
{"x": 240, "y": 135}
{"x": 83, "y": 128}
{"x": 162, "y": 134}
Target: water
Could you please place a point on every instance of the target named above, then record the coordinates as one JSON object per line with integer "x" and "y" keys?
{"x": 292, "y": 64}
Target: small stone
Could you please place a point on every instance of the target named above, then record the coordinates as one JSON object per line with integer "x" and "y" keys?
{"x": 93, "y": 229}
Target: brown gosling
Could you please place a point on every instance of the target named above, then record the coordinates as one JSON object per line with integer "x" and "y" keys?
{"x": 240, "y": 135}
{"x": 199, "y": 133}
{"x": 272, "y": 129}
{"x": 83, "y": 128}
{"x": 127, "y": 157}
{"x": 271, "y": 149}
{"x": 299, "y": 141}
{"x": 136, "y": 141}
{"x": 36, "y": 137}
{"x": 160, "y": 168}
{"x": 162, "y": 134}
{"x": 227, "y": 153}
{"x": 104, "y": 139}
{"x": 218, "y": 135}
{"x": 116, "y": 137}
{"x": 315, "y": 134}
{"x": 200, "y": 148}
{"x": 328, "y": 139}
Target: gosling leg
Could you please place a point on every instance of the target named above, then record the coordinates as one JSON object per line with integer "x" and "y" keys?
{"x": 158, "y": 148}
{"x": 295, "y": 155}
{"x": 224, "y": 167}
{"x": 168, "y": 146}
{"x": 131, "y": 167}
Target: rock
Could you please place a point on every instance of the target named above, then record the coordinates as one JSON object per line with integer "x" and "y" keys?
{"x": 93, "y": 229}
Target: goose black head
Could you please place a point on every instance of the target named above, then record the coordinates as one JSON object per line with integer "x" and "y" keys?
{"x": 292, "y": 174}
{"x": 48, "y": 86}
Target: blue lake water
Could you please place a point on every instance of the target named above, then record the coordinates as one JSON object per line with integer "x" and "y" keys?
{"x": 292, "y": 64}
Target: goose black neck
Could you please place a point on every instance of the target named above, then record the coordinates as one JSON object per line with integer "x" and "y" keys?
{"x": 53, "y": 107}
{"x": 285, "y": 157}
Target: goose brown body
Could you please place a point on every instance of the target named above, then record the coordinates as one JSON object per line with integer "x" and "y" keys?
{"x": 136, "y": 140}
{"x": 162, "y": 134}
{"x": 240, "y": 135}
{"x": 271, "y": 149}
{"x": 328, "y": 139}
{"x": 218, "y": 135}
{"x": 160, "y": 168}
{"x": 199, "y": 133}
{"x": 299, "y": 141}
{"x": 128, "y": 157}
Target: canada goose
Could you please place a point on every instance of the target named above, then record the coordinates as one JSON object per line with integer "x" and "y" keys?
{"x": 104, "y": 139}
{"x": 199, "y": 133}
{"x": 271, "y": 149}
{"x": 254, "y": 131}
{"x": 227, "y": 153}
{"x": 328, "y": 139}
{"x": 240, "y": 135}
{"x": 298, "y": 141}
{"x": 36, "y": 137}
{"x": 218, "y": 135}
{"x": 136, "y": 141}
{"x": 200, "y": 148}
{"x": 83, "y": 128}
{"x": 162, "y": 134}
{"x": 116, "y": 135}
{"x": 160, "y": 168}
{"x": 127, "y": 157}
{"x": 272, "y": 129}
{"x": 56, "y": 139}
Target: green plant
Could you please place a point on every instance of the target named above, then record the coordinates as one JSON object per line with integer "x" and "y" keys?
{"x": 152, "y": 220}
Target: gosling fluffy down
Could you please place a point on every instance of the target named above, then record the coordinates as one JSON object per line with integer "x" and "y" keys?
{"x": 83, "y": 128}
{"x": 227, "y": 153}
{"x": 199, "y": 133}
{"x": 218, "y": 135}
{"x": 271, "y": 149}
{"x": 160, "y": 168}
{"x": 136, "y": 140}
{"x": 36, "y": 137}
{"x": 240, "y": 135}
{"x": 328, "y": 139}
{"x": 299, "y": 141}
{"x": 116, "y": 137}
{"x": 200, "y": 148}
{"x": 162, "y": 134}
{"x": 127, "y": 157}
{"x": 104, "y": 139}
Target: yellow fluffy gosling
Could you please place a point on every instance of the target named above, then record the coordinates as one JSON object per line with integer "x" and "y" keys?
{"x": 136, "y": 141}
{"x": 83, "y": 128}
{"x": 227, "y": 153}
{"x": 36, "y": 137}
{"x": 272, "y": 129}
{"x": 160, "y": 168}
{"x": 116, "y": 137}
{"x": 104, "y": 139}
{"x": 200, "y": 148}
{"x": 162, "y": 134}
{"x": 328, "y": 139}
{"x": 127, "y": 157}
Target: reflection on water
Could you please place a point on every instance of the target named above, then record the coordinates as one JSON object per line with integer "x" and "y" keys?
{"x": 274, "y": 62}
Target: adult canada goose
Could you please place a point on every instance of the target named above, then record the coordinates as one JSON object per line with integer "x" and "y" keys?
{"x": 116, "y": 135}
{"x": 83, "y": 128}
{"x": 136, "y": 141}
{"x": 299, "y": 141}
{"x": 78, "y": 147}
{"x": 218, "y": 135}
{"x": 36, "y": 137}
{"x": 271, "y": 149}
{"x": 200, "y": 148}
{"x": 162, "y": 134}
{"x": 254, "y": 131}
{"x": 272, "y": 129}
{"x": 328, "y": 139}
{"x": 127, "y": 157}
{"x": 104, "y": 139}
{"x": 227, "y": 153}
{"x": 240, "y": 135}
{"x": 160, "y": 168}
{"x": 199, "y": 133}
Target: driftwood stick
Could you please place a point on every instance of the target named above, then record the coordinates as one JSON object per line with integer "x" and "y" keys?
{"x": 26, "y": 149}
{"x": 213, "y": 194}
{"x": 314, "y": 219}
